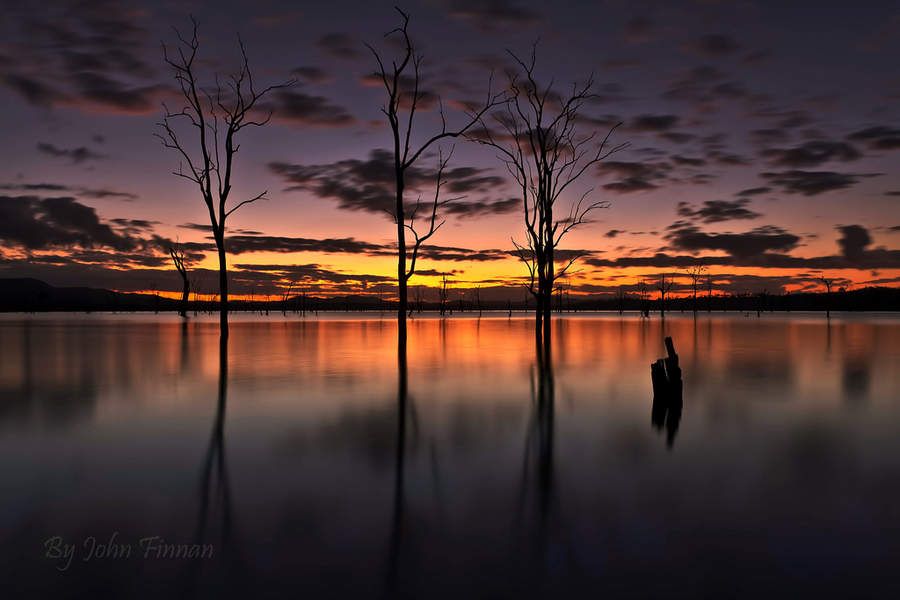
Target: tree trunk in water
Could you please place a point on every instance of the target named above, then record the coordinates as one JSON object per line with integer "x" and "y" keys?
{"x": 184, "y": 297}
{"x": 401, "y": 264}
{"x": 223, "y": 286}
{"x": 548, "y": 309}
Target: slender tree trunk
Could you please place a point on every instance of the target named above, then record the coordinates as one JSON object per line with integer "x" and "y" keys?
{"x": 548, "y": 293}
{"x": 401, "y": 264}
{"x": 186, "y": 290}
{"x": 223, "y": 286}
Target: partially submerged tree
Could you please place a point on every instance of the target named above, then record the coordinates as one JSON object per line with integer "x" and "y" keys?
{"x": 664, "y": 285}
{"x": 642, "y": 294}
{"x": 695, "y": 272}
{"x": 401, "y": 79}
{"x": 213, "y": 115}
{"x": 179, "y": 260}
{"x": 827, "y": 282}
{"x": 443, "y": 295}
{"x": 540, "y": 145}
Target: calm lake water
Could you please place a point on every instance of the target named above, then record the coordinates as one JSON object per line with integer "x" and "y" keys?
{"x": 309, "y": 471}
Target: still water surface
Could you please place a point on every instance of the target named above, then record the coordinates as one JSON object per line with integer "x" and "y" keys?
{"x": 308, "y": 470}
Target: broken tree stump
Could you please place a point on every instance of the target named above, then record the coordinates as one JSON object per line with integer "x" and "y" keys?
{"x": 665, "y": 374}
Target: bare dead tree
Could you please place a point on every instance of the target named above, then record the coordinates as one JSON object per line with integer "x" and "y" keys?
{"x": 827, "y": 282}
{"x": 401, "y": 80}
{"x": 179, "y": 260}
{"x": 695, "y": 272}
{"x": 285, "y": 297}
{"x": 417, "y": 300}
{"x": 642, "y": 293}
{"x": 443, "y": 295}
{"x": 664, "y": 285}
{"x": 540, "y": 146}
{"x": 216, "y": 114}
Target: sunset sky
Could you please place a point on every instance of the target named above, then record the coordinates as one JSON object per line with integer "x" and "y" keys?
{"x": 764, "y": 139}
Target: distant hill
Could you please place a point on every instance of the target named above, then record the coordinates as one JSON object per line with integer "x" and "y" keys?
{"x": 32, "y": 295}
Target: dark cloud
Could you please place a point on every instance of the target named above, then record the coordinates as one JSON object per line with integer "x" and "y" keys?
{"x": 135, "y": 225}
{"x": 98, "y": 193}
{"x": 302, "y": 274}
{"x": 714, "y": 45}
{"x": 811, "y": 154}
{"x": 368, "y": 185}
{"x": 197, "y": 227}
{"x": 726, "y": 158}
{"x": 653, "y": 122}
{"x": 480, "y": 208}
{"x": 705, "y": 88}
{"x": 98, "y": 89}
{"x": 811, "y": 183}
{"x": 855, "y": 244}
{"x": 613, "y": 233}
{"x": 32, "y": 89}
{"x": 688, "y": 161}
{"x": 426, "y": 99}
{"x": 716, "y": 211}
{"x": 634, "y": 176}
{"x": 86, "y": 55}
{"x": 754, "y": 191}
{"x": 490, "y": 15}
{"x": 312, "y": 74}
{"x": 684, "y": 236}
{"x": 77, "y": 155}
{"x": 677, "y": 137}
{"x": 340, "y": 45}
{"x": 450, "y": 253}
{"x": 878, "y": 138}
{"x": 239, "y": 244}
{"x": 763, "y": 247}
{"x": 853, "y": 241}
{"x": 58, "y": 222}
{"x": 296, "y": 107}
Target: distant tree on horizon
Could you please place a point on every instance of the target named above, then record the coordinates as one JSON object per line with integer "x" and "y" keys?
{"x": 216, "y": 113}
{"x": 827, "y": 282}
{"x": 695, "y": 272}
{"x": 664, "y": 286}
{"x": 176, "y": 251}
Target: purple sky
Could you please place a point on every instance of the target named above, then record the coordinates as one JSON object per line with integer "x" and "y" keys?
{"x": 764, "y": 139}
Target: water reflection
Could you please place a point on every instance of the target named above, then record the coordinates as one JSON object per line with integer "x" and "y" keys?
{"x": 215, "y": 487}
{"x": 320, "y": 458}
{"x": 538, "y": 482}
{"x": 397, "y": 516}
{"x": 665, "y": 410}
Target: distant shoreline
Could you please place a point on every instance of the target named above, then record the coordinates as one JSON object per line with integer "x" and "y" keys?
{"x": 34, "y": 296}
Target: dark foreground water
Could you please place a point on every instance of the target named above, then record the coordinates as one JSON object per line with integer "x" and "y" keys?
{"x": 308, "y": 471}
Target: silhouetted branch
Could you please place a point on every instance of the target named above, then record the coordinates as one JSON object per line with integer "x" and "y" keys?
{"x": 218, "y": 115}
